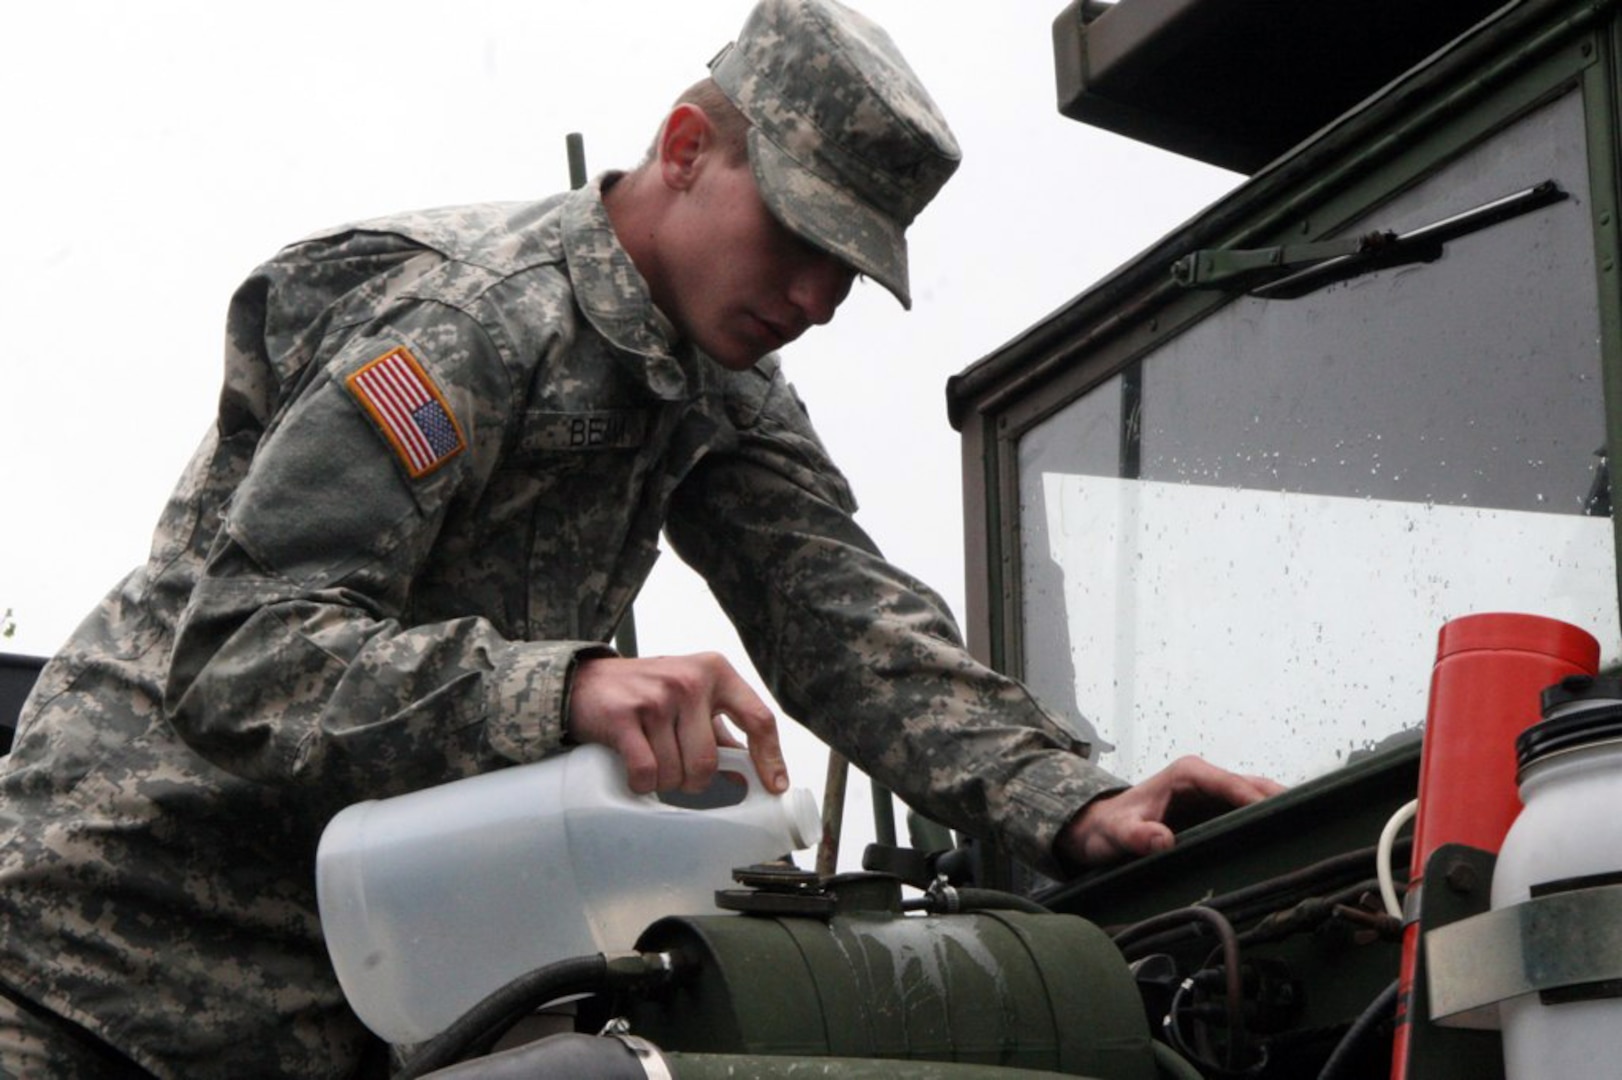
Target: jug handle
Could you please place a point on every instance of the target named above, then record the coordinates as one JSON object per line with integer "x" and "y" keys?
{"x": 731, "y": 759}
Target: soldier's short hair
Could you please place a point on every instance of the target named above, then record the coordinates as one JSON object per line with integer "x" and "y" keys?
{"x": 731, "y": 126}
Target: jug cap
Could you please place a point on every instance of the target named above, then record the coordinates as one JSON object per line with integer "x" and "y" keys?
{"x": 804, "y": 822}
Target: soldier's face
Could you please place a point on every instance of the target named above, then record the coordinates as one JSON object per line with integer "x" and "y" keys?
{"x": 738, "y": 284}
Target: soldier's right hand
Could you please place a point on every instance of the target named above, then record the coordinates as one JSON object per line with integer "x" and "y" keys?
{"x": 666, "y": 716}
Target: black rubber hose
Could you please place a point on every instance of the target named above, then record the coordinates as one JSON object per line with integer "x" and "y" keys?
{"x": 1345, "y": 1051}
{"x": 1230, "y": 962}
{"x": 997, "y": 900}
{"x": 482, "y": 1025}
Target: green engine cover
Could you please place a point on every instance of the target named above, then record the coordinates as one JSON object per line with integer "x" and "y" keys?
{"x": 1002, "y": 988}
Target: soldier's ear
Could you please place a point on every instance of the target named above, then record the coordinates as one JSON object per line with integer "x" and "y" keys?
{"x": 685, "y": 146}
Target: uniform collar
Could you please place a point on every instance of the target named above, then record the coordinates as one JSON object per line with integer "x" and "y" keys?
{"x": 614, "y": 296}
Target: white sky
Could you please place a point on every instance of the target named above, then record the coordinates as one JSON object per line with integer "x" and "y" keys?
{"x": 154, "y": 152}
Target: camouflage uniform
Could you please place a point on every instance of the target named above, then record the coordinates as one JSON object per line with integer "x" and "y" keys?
{"x": 444, "y": 451}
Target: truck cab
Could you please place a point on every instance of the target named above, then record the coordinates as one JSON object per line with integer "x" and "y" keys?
{"x": 1226, "y": 500}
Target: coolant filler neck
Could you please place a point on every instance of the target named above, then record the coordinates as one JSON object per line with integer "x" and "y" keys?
{"x": 785, "y": 889}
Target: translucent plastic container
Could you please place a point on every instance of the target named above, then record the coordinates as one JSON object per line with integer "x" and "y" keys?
{"x": 1569, "y": 836}
{"x": 430, "y": 901}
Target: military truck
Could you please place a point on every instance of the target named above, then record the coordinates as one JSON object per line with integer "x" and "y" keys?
{"x": 1224, "y": 501}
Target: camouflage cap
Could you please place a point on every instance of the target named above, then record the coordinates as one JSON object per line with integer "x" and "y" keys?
{"x": 845, "y": 143}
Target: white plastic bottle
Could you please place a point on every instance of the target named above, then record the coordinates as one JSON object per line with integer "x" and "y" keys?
{"x": 1568, "y": 835}
{"x": 430, "y": 901}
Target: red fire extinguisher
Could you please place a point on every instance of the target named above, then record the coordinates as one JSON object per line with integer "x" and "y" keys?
{"x": 1490, "y": 671}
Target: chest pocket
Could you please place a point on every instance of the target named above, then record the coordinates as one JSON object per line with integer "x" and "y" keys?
{"x": 593, "y": 534}
{"x": 538, "y": 552}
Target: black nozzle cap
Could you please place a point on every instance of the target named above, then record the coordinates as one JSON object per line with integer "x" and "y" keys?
{"x": 1574, "y": 688}
{"x": 1602, "y": 723}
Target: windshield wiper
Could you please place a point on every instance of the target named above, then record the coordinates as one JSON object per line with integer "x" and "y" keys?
{"x": 1292, "y": 270}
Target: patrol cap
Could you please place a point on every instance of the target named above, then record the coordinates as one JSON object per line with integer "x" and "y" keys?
{"x": 845, "y": 143}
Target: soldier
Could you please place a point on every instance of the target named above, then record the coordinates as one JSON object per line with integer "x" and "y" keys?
{"x": 445, "y": 448}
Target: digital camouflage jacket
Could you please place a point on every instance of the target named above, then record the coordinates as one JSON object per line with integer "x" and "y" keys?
{"x": 445, "y": 449}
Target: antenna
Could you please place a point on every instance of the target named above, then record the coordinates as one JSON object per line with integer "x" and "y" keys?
{"x": 576, "y": 144}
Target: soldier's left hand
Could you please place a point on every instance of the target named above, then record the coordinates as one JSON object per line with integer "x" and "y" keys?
{"x": 1144, "y": 818}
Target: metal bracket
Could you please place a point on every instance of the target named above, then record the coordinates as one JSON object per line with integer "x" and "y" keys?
{"x": 1560, "y": 940}
{"x": 654, "y": 1065}
{"x": 1239, "y": 268}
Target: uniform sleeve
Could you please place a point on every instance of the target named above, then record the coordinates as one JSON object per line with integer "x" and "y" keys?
{"x": 296, "y": 660}
{"x": 866, "y": 656}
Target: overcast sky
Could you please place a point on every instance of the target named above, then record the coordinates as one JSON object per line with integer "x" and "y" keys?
{"x": 155, "y": 152}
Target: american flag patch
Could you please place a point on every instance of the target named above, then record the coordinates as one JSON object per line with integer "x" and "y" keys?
{"x": 410, "y": 409}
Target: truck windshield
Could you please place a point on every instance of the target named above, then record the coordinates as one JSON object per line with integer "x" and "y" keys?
{"x": 1244, "y": 545}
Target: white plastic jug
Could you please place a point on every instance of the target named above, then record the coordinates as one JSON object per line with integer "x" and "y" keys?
{"x": 429, "y": 901}
{"x": 1568, "y": 838}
